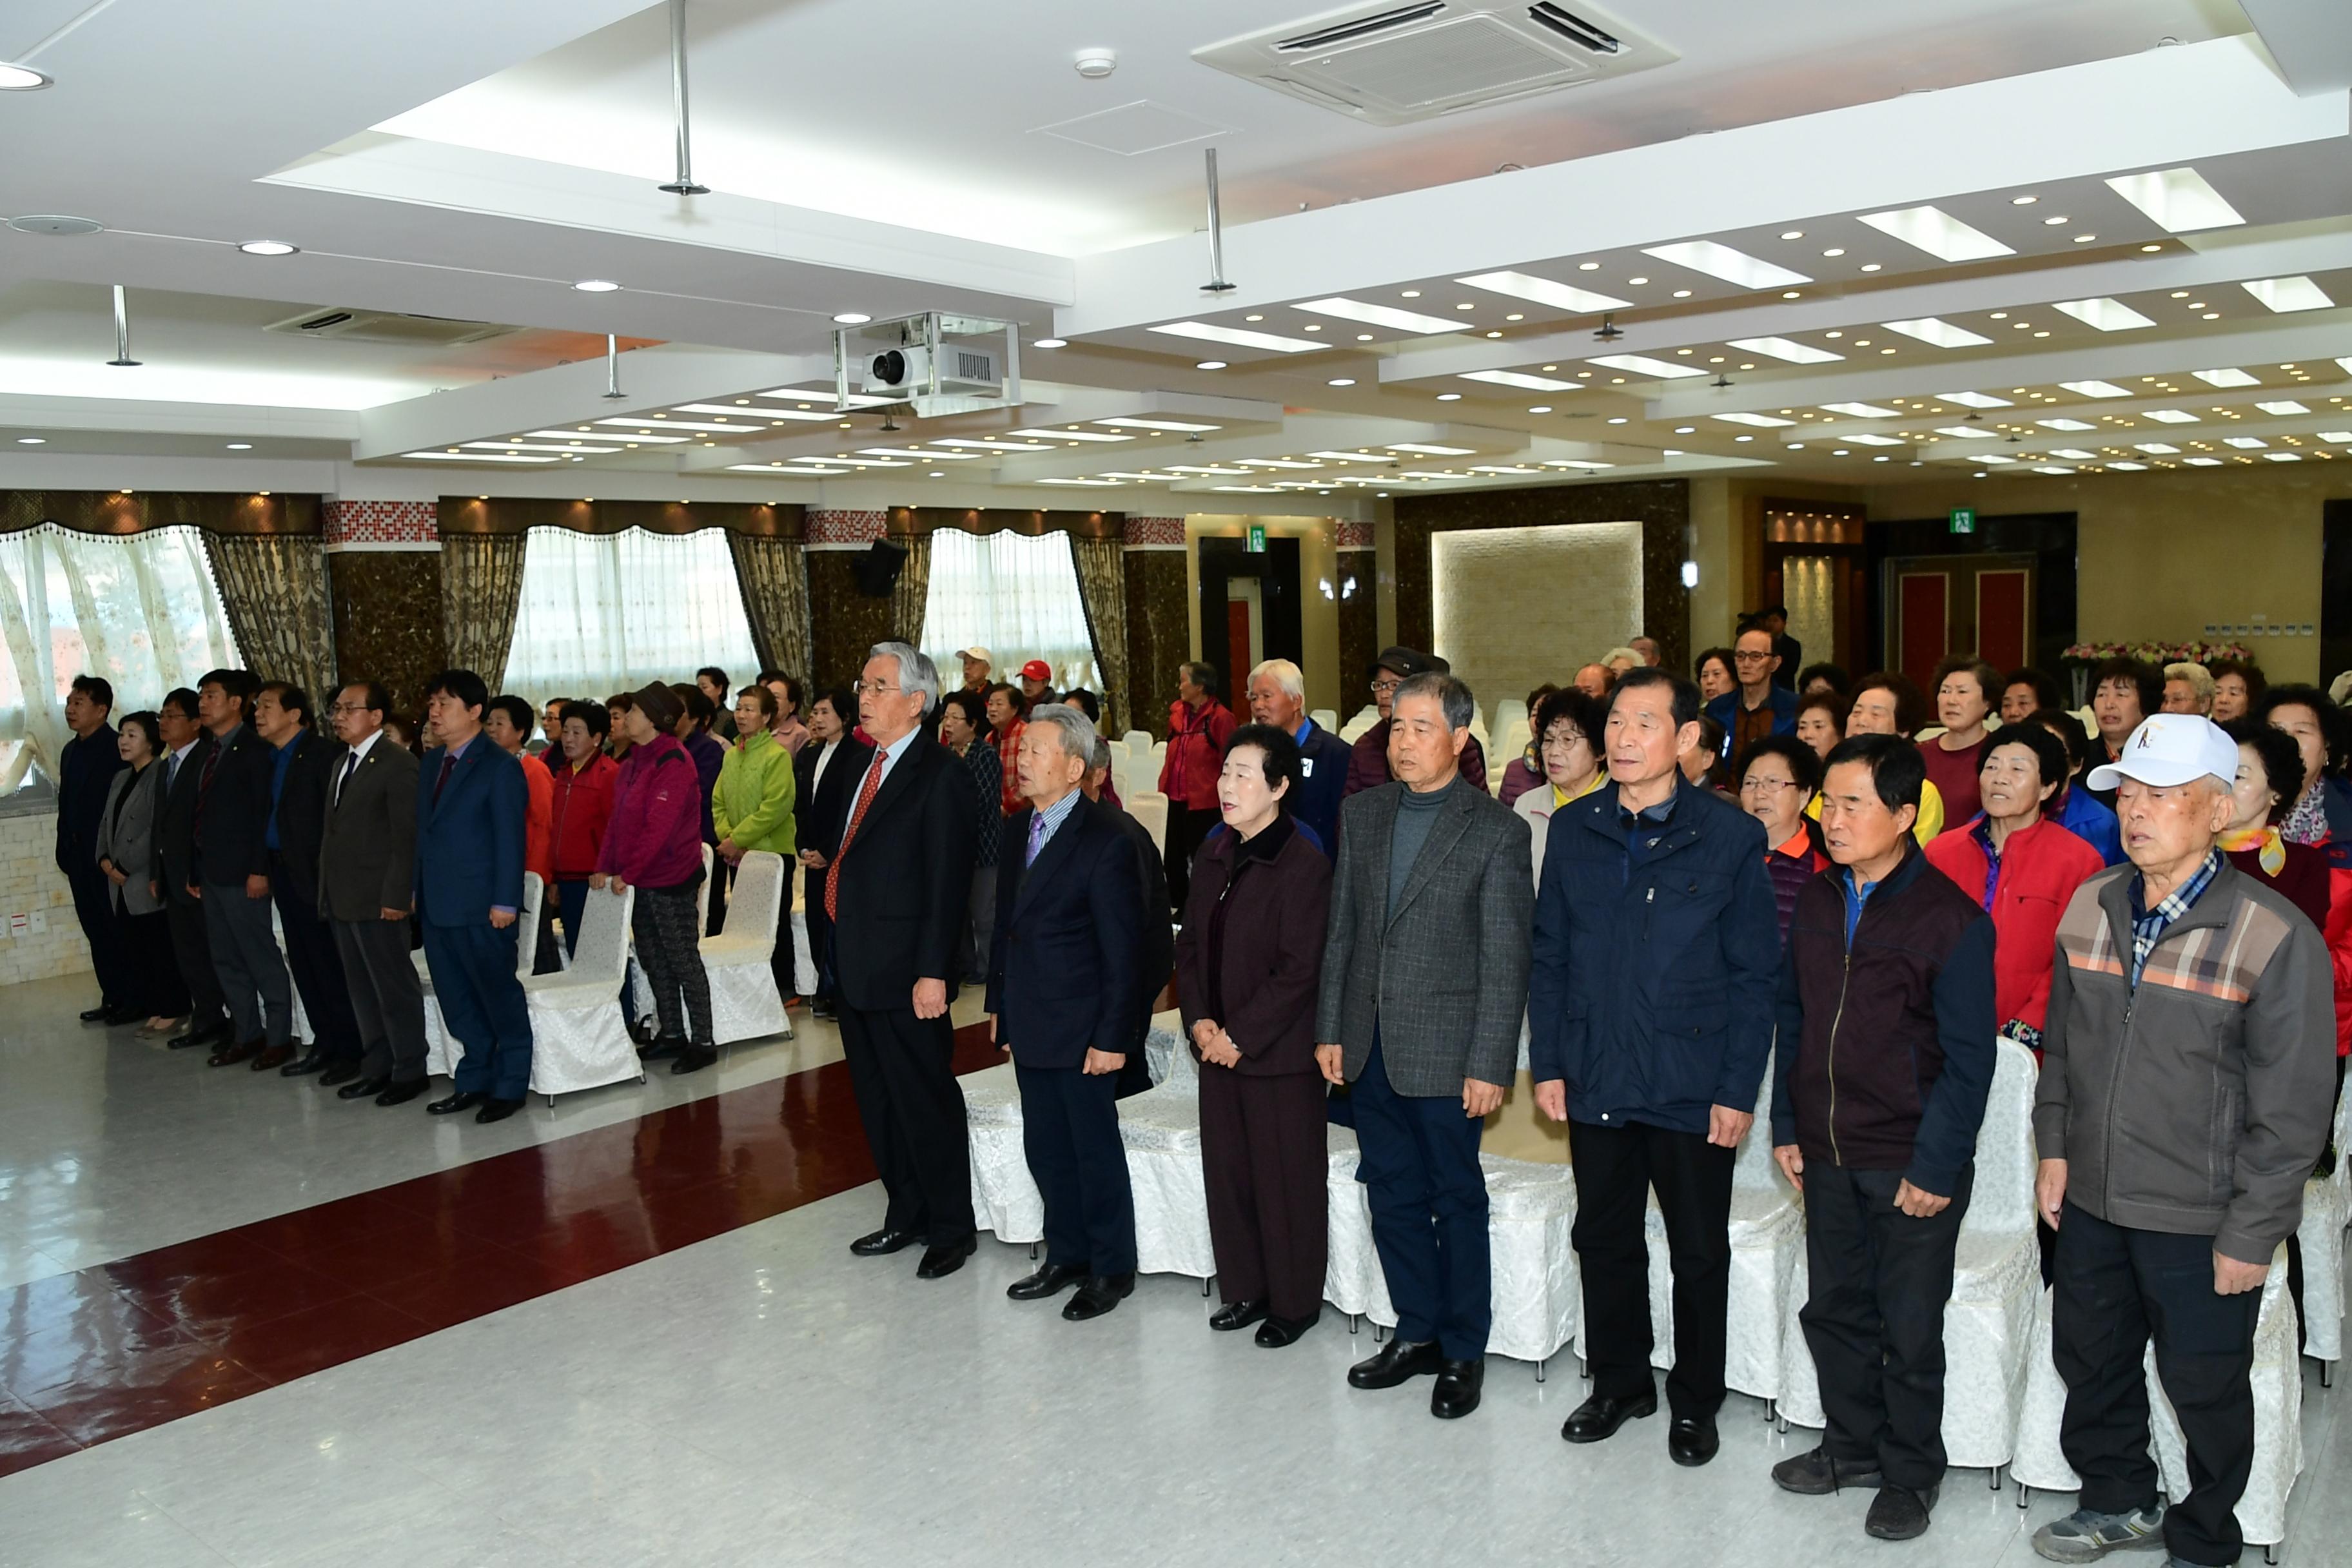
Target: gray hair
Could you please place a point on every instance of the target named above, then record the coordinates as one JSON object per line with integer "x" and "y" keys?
{"x": 1075, "y": 733}
{"x": 1286, "y": 675}
{"x": 1450, "y": 693}
{"x": 917, "y": 673}
{"x": 1102, "y": 756}
{"x": 2200, "y": 682}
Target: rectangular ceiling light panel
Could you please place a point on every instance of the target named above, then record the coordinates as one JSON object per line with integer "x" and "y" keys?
{"x": 1862, "y": 410}
{"x": 1731, "y": 266}
{"x": 1430, "y": 450}
{"x": 1643, "y": 365}
{"x": 1520, "y": 379}
{"x": 1968, "y": 432}
{"x": 2172, "y": 417}
{"x": 1973, "y": 399}
{"x": 2065, "y": 425}
{"x": 1239, "y": 337}
{"x": 1544, "y": 292}
{"x": 2106, "y": 315}
{"x": 2230, "y": 377}
{"x": 1764, "y": 421}
{"x": 1786, "y": 349}
{"x": 2177, "y": 201}
{"x": 2094, "y": 388}
{"x": 2288, "y": 294}
{"x": 2283, "y": 408}
{"x": 1864, "y": 438}
{"x": 1348, "y": 309}
{"x": 1936, "y": 232}
{"x": 1938, "y": 333}
{"x": 1136, "y": 422}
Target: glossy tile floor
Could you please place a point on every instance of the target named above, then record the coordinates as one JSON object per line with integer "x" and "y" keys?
{"x": 638, "y": 1338}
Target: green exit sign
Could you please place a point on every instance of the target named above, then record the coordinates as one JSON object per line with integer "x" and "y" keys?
{"x": 1964, "y": 520}
{"x": 1257, "y": 539}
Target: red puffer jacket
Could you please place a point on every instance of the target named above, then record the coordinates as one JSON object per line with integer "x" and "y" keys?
{"x": 1196, "y": 752}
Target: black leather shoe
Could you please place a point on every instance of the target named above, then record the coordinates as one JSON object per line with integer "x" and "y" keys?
{"x": 463, "y": 1100}
{"x": 1898, "y": 1513}
{"x": 1398, "y": 1361}
{"x": 1098, "y": 1295}
{"x": 115, "y": 1017}
{"x": 1236, "y": 1315}
{"x": 309, "y": 1062}
{"x": 96, "y": 1015}
{"x": 231, "y": 1053}
{"x": 402, "y": 1093}
{"x": 1457, "y": 1390}
{"x": 877, "y": 1244}
{"x": 1599, "y": 1417}
{"x": 665, "y": 1045}
{"x": 694, "y": 1058}
{"x": 366, "y": 1088}
{"x": 938, "y": 1262}
{"x": 196, "y": 1034}
{"x": 497, "y": 1110}
{"x": 1691, "y": 1441}
{"x": 338, "y": 1073}
{"x": 1049, "y": 1281}
{"x": 1814, "y": 1473}
{"x": 275, "y": 1057}
{"x": 1276, "y": 1332}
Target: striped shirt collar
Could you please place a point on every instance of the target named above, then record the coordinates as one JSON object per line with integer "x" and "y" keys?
{"x": 1054, "y": 816}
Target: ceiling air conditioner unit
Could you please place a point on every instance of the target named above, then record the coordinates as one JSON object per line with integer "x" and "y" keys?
{"x": 1389, "y": 64}
{"x": 388, "y": 327}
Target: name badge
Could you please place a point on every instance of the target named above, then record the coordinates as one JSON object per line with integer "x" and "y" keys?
{"x": 1306, "y": 767}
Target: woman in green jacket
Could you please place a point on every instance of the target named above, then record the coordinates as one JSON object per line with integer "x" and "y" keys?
{"x": 751, "y": 808}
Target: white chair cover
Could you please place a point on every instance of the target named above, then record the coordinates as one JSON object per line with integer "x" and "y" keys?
{"x": 1138, "y": 742}
{"x": 301, "y": 1025}
{"x": 1004, "y": 1197}
{"x": 1150, "y": 809}
{"x": 1326, "y": 720}
{"x": 744, "y": 1002}
{"x": 2042, "y": 1465}
{"x": 1989, "y": 1323}
{"x": 1352, "y": 1280}
{"x": 641, "y": 991}
{"x": 579, "y": 1039}
{"x": 2326, "y": 1209}
{"x": 1161, "y": 1129}
{"x": 441, "y": 1048}
{"x": 1365, "y": 718}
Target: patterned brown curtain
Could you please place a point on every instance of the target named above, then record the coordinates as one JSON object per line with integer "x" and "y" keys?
{"x": 1101, "y": 566}
{"x": 772, "y": 576}
{"x": 273, "y": 587}
{"x": 481, "y": 589}
{"x": 911, "y": 594}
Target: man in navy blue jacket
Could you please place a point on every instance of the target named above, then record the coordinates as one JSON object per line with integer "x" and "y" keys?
{"x": 86, "y": 768}
{"x": 472, "y": 806}
{"x": 1061, "y": 987}
{"x": 1884, "y": 1059}
{"x": 1761, "y": 704}
{"x": 1277, "y": 696}
{"x": 1656, "y": 951}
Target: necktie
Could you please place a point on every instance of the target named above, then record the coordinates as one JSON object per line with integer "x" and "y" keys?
{"x": 205, "y": 784}
{"x": 1036, "y": 836}
{"x": 350, "y": 766}
{"x": 865, "y": 792}
{"x": 441, "y": 782}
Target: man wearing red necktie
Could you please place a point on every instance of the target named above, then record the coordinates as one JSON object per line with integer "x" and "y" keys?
{"x": 895, "y": 891}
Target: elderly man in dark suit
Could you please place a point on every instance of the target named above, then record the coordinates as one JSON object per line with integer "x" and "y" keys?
{"x": 186, "y": 744}
{"x": 86, "y": 768}
{"x": 471, "y": 809}
{"x": 1156, "y": 938}
{"x": 895, "y": 892}
{"x": 367, "y": 877}
{"x": 1424, "y": 981}
{"x": 1062, "y": 978}
{"x": 232, "y": 873}
{"x": 306, "y": 759}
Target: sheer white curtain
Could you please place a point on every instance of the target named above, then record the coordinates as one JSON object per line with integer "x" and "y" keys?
{"x": 1014, "y": 595}
{"x": 140, "y": 609}
{"x": 606, "y": 612}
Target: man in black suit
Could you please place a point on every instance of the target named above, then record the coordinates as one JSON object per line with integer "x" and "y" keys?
{"x": 826, "y": 774}
{"x": 1061, "y": 990}
{"x": 185, "y": 748}
{"x": 305, "y": 761}
{"x": 1156, "y": 938}
{"x": 86, "y": 768}
{"x": 232, "y": 873}
{"x": 367, "y": 879}
{"x": 895, "y": 892}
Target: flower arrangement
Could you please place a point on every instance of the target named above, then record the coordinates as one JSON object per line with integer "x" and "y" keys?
{"x": 2158, "y": 653}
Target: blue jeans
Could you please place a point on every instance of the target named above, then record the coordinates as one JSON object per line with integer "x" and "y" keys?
{"x": 1428, "y": 1198}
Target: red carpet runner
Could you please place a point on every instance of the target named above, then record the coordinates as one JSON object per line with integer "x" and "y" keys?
{"x": 123, "y": 1346}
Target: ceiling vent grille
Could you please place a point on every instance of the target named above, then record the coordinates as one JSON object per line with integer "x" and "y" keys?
{"x": 1393, "y": 65}
{"x": 388, "y": 327}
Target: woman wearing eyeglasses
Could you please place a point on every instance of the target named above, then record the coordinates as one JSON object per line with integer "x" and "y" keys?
{"x": 1568, "y": 741}
{"x": 1777, "y": 779}
{"x": 1526, "y": 770}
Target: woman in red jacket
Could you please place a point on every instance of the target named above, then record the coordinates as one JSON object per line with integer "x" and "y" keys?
{"x": 581, "y": 806}
{"x": 654, "y": 844}
{"x": 1198, "y": 728}
{"x": 2023, "y": 867}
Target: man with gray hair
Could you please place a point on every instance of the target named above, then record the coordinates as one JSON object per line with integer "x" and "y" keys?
{"x": 1647, "y": 646}
{"x": 1277, "y": 696}
{"x": 1156, "y": 961}
{"x": 1062, "y": 979}
{"x": 2186, "y": 1091}
{"x": 894, "y": 893}
{"x": 1424, "y": 982}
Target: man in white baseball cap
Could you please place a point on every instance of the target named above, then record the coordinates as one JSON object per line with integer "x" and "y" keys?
{"x": 977, "y": 663}
{"x": 2187, "y": 1088}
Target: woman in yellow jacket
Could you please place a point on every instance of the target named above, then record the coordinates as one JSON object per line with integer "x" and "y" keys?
{"x": 751, "y": 808}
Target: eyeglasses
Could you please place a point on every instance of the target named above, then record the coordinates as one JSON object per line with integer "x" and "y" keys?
{"x": 1765, "y": 786}
{"x": 1385, "y": 688}
{"x": 1751, "y": 657}
{"x": 874, "y": 689}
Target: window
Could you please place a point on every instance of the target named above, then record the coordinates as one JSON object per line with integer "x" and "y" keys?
{"x": 606, "y": 612}
{"x": 139, "y": 610}
{"x": 1013, "y": 594}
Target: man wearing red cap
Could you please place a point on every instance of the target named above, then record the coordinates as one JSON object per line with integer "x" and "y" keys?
{"x": 1034, "y": 677}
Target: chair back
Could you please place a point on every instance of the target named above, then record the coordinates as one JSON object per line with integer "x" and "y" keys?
{"x": 757, "y": 906}
{"x": 603, "y": 949}
{"x": 1326, "y": 720}
{"x": 2002, "y": 1201}
{"x": 1365, "y": 718}
{"x": 1138, "y": 742}
{"x": 702, "y": 893}
{"x": 1149, "y": 808}
{"x": 534, "y": 896}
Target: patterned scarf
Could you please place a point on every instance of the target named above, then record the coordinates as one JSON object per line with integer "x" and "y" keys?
{"x": 2308, "y": 822}
{"x": 2268, "y": 840}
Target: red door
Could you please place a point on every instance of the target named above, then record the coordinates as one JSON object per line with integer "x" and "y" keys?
{"x": 2002, "y": 634}
{"x": 1924, "y": 606}
{"x": 1237, "y": 652}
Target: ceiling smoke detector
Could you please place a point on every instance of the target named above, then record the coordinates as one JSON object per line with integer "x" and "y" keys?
{"x": 1095, "y": 64}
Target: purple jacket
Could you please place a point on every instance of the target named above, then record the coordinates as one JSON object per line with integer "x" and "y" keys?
{"x": 710, "y": 754}
{"x": 653, "y": 840}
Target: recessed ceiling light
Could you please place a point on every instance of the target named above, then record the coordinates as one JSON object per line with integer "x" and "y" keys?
{"x": 1540, "y": 408}
{"x": 1341, "y": 381}
{"x": 1210, "y": 364}
{"x": 1521, "y": 380}
{"x": 2226, "y": 378}
{"x": 1870, "y": 266}
{"x": 1938, "y": 333}
{"x": 1376, "y": 315}
{"x": 1938, "y": 232}
{"x": 1722, "y": 261}
{"x": 2106, "y": 315}
{"x": 1240, "y": 337}
{"x": 1544, "y": 292}
{"x": 268, "y": 248}
{"x": 851, "y": 319}
{"x": 1619, "y": 419}
{"x": 1588, "y": 267}
{"x": 2094, "y": 388}
{"x": 1449, "y": 397}
{"x": 22, "y": 79}
{"x": 1973, "y": 399}
{"x": 1860, "y": 410}
{"x": 2150, "y": 249}
{"x": 2288, "y": 294}
{"x": 1642, "y": 364}
{"x": 1835, "y": 250}
{"x": 32, "y": 440}
{"x": 1050, "y": 343}
{"x": 595, "y": 286}
{"x": 2023, "y": 201}
{"x": 2051, "y": 468}
{"x": 1681, "y": 293}
{"x": 2054, "y": 222}
{"x": 1788, "y": 349}
{"x": 2085, "y": 238}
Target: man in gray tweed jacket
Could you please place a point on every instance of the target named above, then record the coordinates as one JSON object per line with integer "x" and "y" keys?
{"x": 1424, "y": 982}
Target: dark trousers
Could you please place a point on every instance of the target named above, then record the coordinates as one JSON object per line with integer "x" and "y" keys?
{"x": 722, "y": 873}
{"x": 192, "y": 953}
{"x": 1186, "y": 828}
{"x": 2115, "y": 1289}
{"x": 482, "y": 1003}
{"x": 156, "y": 988}
{"x": 980, "y": 926}
{"x": 1615, "y": 1169}
{"x": 1874, "y": 1319}
{"x": 545, "y": 959}
{"x": 1069, "y": 1130}
{"x": 782, "y": 963}
{"x": 101, "y": 927}
{"x": 901, "y": 1070}
{"x": 572, "y": 903}
{"x": 1428, "y": 1196}
{"x": 1263, "y": 1153}
{"x": 820, "y": 938}
{"x": 317, "y": 970}
{"x": 252, "y": 971}
{"x": 663, "y": 920}
{"x": 387, "y": 997}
